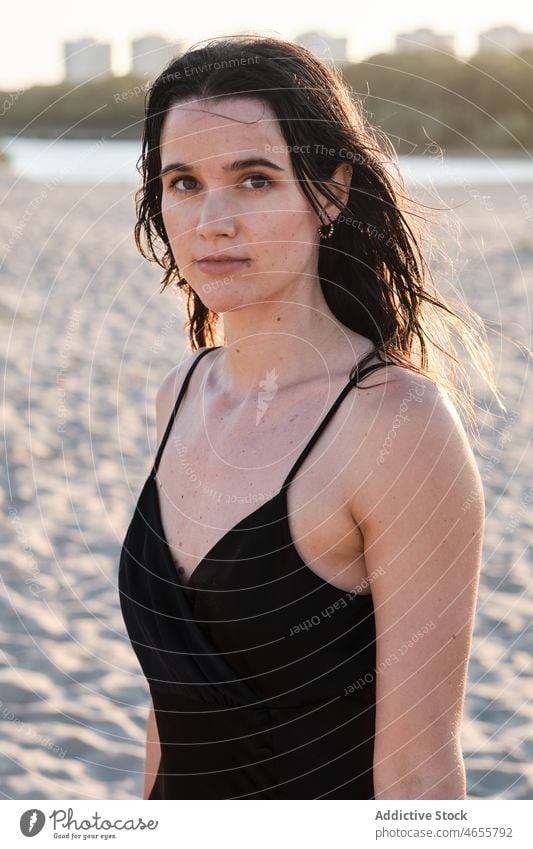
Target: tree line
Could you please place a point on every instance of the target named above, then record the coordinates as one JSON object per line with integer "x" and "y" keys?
{"x": 418, "y": 99}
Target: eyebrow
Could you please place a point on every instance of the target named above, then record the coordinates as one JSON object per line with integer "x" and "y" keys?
{"x": 238, "y": 165}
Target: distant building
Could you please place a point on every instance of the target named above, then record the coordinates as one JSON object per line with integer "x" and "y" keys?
{"x": 424, "y": 39}
{"x": 505, "y": 38}
{"x": 150, "y": 54}
{"x": 325, "y": 46}
{"x": 86, "y": 59}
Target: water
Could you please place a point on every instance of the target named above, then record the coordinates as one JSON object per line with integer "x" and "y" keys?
{"x": 466, "y": 170}
{"x": 89, "y": 161}
{"x": 100, "y": 160}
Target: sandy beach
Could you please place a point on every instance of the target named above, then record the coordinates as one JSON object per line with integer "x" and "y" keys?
{"x": 86, "y": 338}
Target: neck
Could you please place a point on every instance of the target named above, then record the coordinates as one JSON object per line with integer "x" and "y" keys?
{"x": 274, "y": 344}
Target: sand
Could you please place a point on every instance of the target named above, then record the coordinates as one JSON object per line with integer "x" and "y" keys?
{"x": 86, "y": 338}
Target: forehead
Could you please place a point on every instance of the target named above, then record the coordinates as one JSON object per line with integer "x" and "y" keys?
{"x": 228, "y": 125}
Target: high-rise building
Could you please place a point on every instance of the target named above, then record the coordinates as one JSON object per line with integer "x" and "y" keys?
{"x": 424, "y": 39}
{"x": 151, "y": 53}
{"x": 506, "y": 39}
{"x": 325, "y": 46}
{"x": 86, "y": 60}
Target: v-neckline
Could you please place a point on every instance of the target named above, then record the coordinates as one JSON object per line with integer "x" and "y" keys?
{"x": 281, "y": 494}
{"x": 219, "y": 542}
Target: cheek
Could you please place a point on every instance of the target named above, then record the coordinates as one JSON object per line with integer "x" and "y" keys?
{"x": 296, "y": 233}
{"x": 170, "y": 207}
{"x": 285, "y": 226}
{"x": 290, "y": 242}
{"x": 175, "y": 220}
{"x": 291, "y": 232}
{"x": 168, "y": 214}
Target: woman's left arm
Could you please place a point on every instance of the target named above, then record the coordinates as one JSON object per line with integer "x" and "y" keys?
{"x": 421, "y": 511}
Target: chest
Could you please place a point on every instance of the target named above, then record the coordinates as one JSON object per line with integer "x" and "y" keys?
{"x": 215, "y": 473}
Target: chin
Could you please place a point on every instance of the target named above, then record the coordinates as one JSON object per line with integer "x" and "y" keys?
{"x": 221, "y": 300}
{"x": 222, "y": 291}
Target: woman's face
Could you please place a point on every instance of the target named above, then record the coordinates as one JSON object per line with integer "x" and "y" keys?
{"x": 215, "y": 200}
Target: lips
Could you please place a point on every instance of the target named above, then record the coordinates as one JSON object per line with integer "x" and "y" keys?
{"x": 222, "y": 258}
{"x": 222, "y": 266}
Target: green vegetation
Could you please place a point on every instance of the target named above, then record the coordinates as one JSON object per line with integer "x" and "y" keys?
{"x": 111, "y": 108}
{"x": 485, "y": 104}
{"x": 420, "y": 100}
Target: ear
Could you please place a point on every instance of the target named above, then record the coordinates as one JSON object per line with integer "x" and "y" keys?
{"x": 339, "y": 184}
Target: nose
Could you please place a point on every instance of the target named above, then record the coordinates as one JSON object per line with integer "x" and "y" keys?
{"x": 215, "y": 218}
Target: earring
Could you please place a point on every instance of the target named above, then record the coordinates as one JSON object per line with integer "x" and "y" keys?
{"x": 329, "y": 232}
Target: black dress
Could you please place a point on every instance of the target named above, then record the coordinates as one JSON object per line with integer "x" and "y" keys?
{"x": 262, "y": 674}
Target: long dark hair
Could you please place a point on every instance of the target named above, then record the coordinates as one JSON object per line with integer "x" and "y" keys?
{"x": 372, "y": 271}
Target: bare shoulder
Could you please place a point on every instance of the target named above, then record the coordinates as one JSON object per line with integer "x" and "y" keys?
{"x": 420, "y": 508}
{"x": 398, "y": 405}
{"x": 410, "y": 435}
{"x": 169, "y": 388}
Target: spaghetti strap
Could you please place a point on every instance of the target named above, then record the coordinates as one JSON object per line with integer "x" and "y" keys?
{"x": 181, "y": 393}
{"x": 226, "y": 670}
{"x": 350, "y": 385}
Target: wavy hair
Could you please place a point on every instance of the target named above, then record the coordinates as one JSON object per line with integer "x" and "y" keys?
{"x": 372, "y": 270}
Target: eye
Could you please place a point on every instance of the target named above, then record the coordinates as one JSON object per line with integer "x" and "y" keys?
{"x": 176, "y": 180}
{"x": 262, "y": 178}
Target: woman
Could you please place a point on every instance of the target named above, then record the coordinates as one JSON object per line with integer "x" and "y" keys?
{"x": 303, "y": 635}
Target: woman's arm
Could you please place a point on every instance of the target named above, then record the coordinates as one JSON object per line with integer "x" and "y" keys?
{"x": 153, "y": 753}
{"x": 168, "y": 387}
{"x": 164, "y": 402}
{"x": 421, "y": 511}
